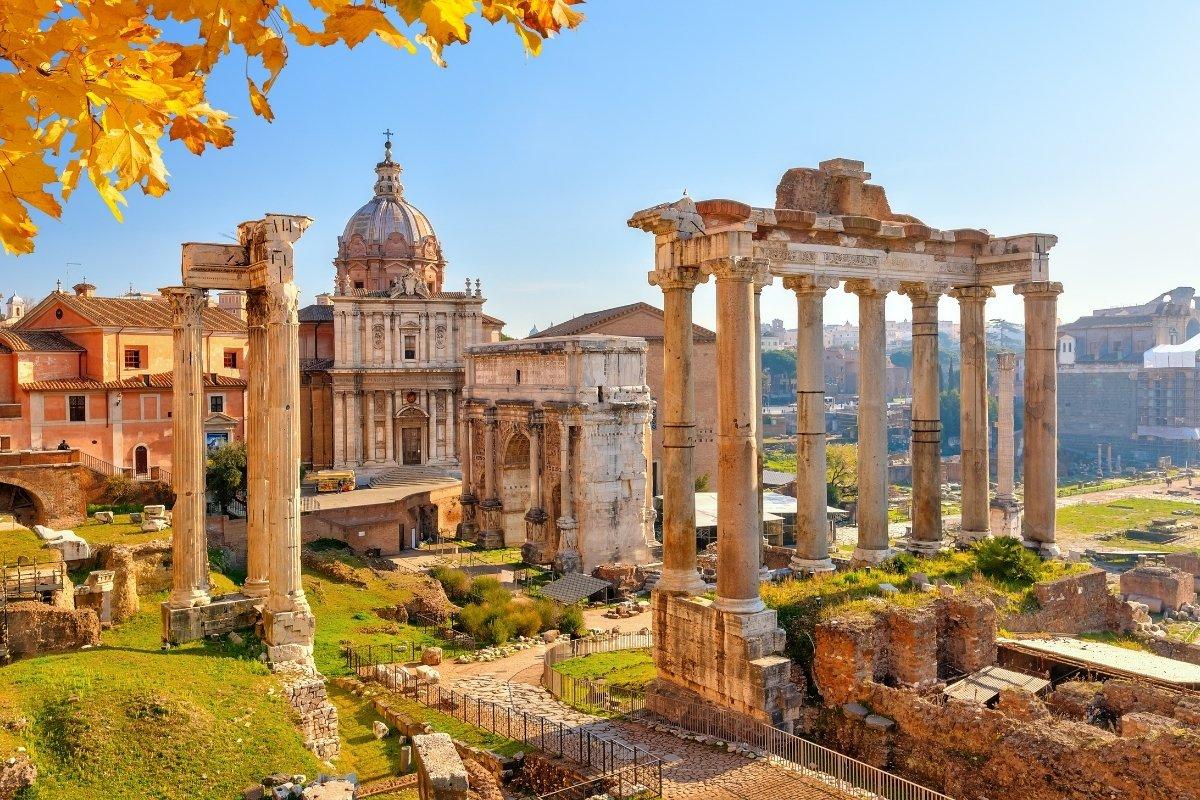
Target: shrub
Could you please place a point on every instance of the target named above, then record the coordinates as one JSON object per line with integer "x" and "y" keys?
{"x": 1006, "y": 560}
{"x": 485, "y": 584}
{"x": 902, "y": 563}
{"x": 524, "y": 620}
{"x": 570, "y": 621}
{"x": 456, "y": 582}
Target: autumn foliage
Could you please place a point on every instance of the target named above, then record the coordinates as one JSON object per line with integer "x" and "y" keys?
{"x": 92, "y": 86}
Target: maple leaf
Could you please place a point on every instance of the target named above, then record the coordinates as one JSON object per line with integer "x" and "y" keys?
{"x": 93, "y": 87}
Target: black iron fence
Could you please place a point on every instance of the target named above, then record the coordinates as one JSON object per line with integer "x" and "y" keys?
{"x": 632, "y": 766}
{"x": 590, "y": 695}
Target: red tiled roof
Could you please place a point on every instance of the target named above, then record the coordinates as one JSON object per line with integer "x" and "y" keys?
{"x": 587, "y": 323}
{"x": 37, "y": 341}
{"x": 159, "y": 380}
{"x": 115, "y": 312}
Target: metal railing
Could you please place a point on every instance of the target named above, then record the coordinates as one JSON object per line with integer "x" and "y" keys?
{"x": 788, "y": 749}
{"x": 780, "y": 746}
{"x": 108, "y": 468}
{"x": 612, "y": 759}
{"x": 21, "y": 581}
{"x": 591, "y": 695}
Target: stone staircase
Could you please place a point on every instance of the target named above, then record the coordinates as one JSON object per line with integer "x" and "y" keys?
{"x": 412, "y": 476}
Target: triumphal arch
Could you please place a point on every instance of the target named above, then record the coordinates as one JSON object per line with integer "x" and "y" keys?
{"x": 829, "y": 227}
{"x": 261, "y": 265}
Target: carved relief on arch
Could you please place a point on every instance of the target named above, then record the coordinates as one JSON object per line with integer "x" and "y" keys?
{"x": 552, "y": 436}
{"x": 356, "y": 246}
{"x": 396, "y": 246}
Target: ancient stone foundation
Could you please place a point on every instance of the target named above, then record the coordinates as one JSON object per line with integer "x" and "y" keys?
{"x": 441, "y": 774}
{"x": 224, "y": 614}
{"x": 732, "y": 660}
{"x": 39, "y": 628}
{"x": 306, "y": 693}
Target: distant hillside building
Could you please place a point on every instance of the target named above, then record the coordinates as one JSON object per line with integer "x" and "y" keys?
{"x": 1113, "y": 397}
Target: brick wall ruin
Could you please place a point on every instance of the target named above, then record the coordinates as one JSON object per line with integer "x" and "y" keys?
{"x": 39, "y": 628}
{"x": 1074, "y": 605}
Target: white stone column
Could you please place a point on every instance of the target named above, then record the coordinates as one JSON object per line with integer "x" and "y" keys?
{"x": 288, "y": 623}
{"x": 389, "y": 431}
{"x": 491, "y": 532}
{"x": 339, "y": 429}
{"x": 1041, "y": 413}
{"x": 372, "y": 444}
{"x": 973, "y": 396}
{"x": 873, "y": 545}
{"x": 469, "y": 527}
{"x": 258, "y": 448}
{"x": 189, "y": 549}
{"x": 739, "y": 525}
{"x": 926, "y": 448}
{"x": 677, "y": 416}
{"x": 452, "y": 423}
{"x": 1006, "y": 377}
{"x": 812, "y": 495}
{"x": 568, "y": 558}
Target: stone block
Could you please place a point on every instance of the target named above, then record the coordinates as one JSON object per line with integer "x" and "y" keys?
{"x": 879, "y": 723}
{"x": 104, "y": 517}
{"x": 441, "y": 773}
{"x": 39, "y": 628}
{"x": 1171, "y": 586}
{"x": 431, "y": 656}
{"x": 856, "y": 710}
{"x": 223, "y": 615}
{"x": 379, "y": 730}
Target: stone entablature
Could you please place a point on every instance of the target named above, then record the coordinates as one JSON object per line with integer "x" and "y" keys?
{"x": 557, "y": 434}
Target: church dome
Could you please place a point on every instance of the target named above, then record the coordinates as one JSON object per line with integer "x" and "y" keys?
{"x": 388, "y": 212}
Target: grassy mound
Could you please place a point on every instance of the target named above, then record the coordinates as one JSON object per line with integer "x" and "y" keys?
{"x": 624, "y": 669}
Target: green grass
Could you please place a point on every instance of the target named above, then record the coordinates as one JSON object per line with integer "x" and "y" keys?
{"x": 464, "y": 732}
{"x": 127, "y": 719}
{"x": 625, "y": 669}
{"x": 1117, "y": 515}
{"x": 370, "y": 758}
{"x": 24, "y": 542}
{"x": 1114, "y": 639}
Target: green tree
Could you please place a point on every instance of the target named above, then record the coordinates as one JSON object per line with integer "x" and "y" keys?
{"x": 226, "y": 474}
{"x": 841, "y": 473}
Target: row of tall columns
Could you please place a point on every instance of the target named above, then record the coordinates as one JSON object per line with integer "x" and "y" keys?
{"x": 273, "y": 468}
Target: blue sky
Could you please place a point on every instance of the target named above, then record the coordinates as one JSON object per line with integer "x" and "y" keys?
{"x": 1073, "y": 118}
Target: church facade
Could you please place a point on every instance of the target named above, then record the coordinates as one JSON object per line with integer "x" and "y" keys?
{"x": 382, "y": 356}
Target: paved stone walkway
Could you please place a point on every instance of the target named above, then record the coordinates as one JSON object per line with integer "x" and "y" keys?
{"x": 693, "y": 770}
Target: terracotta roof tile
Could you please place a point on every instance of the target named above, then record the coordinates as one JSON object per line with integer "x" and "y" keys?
{"x": 158, "y": 380}
{"x": 587, "y": 323}
{"x": 110, "y": 312}
{"x": 38, "y": 341}
{"x": 316, "y": 313}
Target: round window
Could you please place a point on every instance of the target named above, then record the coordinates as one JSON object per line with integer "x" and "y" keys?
{"x": 58, "y": 313}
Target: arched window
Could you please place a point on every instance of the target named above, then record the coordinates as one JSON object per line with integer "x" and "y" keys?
{"x": 141, "y": 460}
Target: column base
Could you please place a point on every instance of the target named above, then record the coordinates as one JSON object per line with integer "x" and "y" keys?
{"x": 811, "y": 565}
{"x": 739, "y": 605}
{"x": 468, "y": 532}
{"x": 568, "y": 561}
{"x": 191, "y": 598}
{"x": 866, "y": 556}
{"x": 1044, "y": 549}
{"x": 289, "y": 636}
{"x": 966, "y": 538}
{"x": 258, "y": 587}
{"x": 1004, "y": 517}
{"x": 681, "y": 581}
{"x": 922, "y": 547}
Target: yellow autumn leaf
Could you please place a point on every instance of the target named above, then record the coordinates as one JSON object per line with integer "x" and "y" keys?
{"x": 109, "y": 194}
{"x": 258, "y": 102}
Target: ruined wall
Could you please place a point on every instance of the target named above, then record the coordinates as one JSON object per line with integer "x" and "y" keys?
{"x": 1073, "y": 605}
{"x": 971, "y": 752}
{"x": 35, "y": 628}
{"x": 318, "y": 717}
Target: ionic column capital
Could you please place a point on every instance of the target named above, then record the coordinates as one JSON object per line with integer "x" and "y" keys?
{"x": 686, "y": 278}
{"x": 972, "y": 294}
{"x": 1050, "y": 289}
{"x": 871, "y": 287}
{"x": 744, "y": 270}
{"x": 921, "y": 291}
{"x": 810, "y": 285}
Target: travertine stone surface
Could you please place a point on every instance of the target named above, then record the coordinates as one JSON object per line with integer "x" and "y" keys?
{"x": 812, "y": 520}
{"x": 973, "y": 410}
{"x": 258, "y": 448}
{"x": 1005, "y": 510}
{"x": 677, "y": 416}
{"x": 926, "y": 450}
{"x": 190, "y": 553}
{"x": 440, "y": 770}
{"x": 1041, "y": 413}
{"x": 872, "y": 422}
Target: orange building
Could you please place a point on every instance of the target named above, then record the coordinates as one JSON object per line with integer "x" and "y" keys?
{"x": 95, "y": 372}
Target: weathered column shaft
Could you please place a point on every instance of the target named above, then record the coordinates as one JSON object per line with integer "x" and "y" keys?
{"x": 1041, "y": 412}
{"x": 372, "y": 443}
{"x": 566, "y": 489}
{"x": 489, "y": 453}
{"x": 535, "y": 461}
{"x": 189, "y": 550}
{"x": 677, "y": 415}
{"x": 258, "y": 448}
{"x": 812, "y": 495}
{"x": 389, "y": 430}
{"x": 973, "y": 397}
{"x": 926, "y": 449}
{"x": 872, "y": 422}
{"x": 1006, "y": 376}
{"x": 739, "y": 524}
{"x": 283, "y": 417}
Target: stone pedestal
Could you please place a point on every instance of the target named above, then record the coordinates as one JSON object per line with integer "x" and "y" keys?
{"x": 536, "y": 549}
{"x": 873, "y": 546}
{"x": 468, "y": 529}
{"x": 974, "y": 411}
{"x": 1041, "y": 413}
{"x": 729, "y": 659}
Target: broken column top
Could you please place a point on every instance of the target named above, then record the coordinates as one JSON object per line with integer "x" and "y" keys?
{"x": 845, "y": 168}
{"x": 441, "y": 762}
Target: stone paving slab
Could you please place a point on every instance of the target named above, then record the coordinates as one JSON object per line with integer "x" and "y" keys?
{"x": 693, "y": 770}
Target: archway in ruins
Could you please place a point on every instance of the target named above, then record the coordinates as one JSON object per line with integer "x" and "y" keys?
{"x": 22, "y": 504}
{"x": 514, "y": 488}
